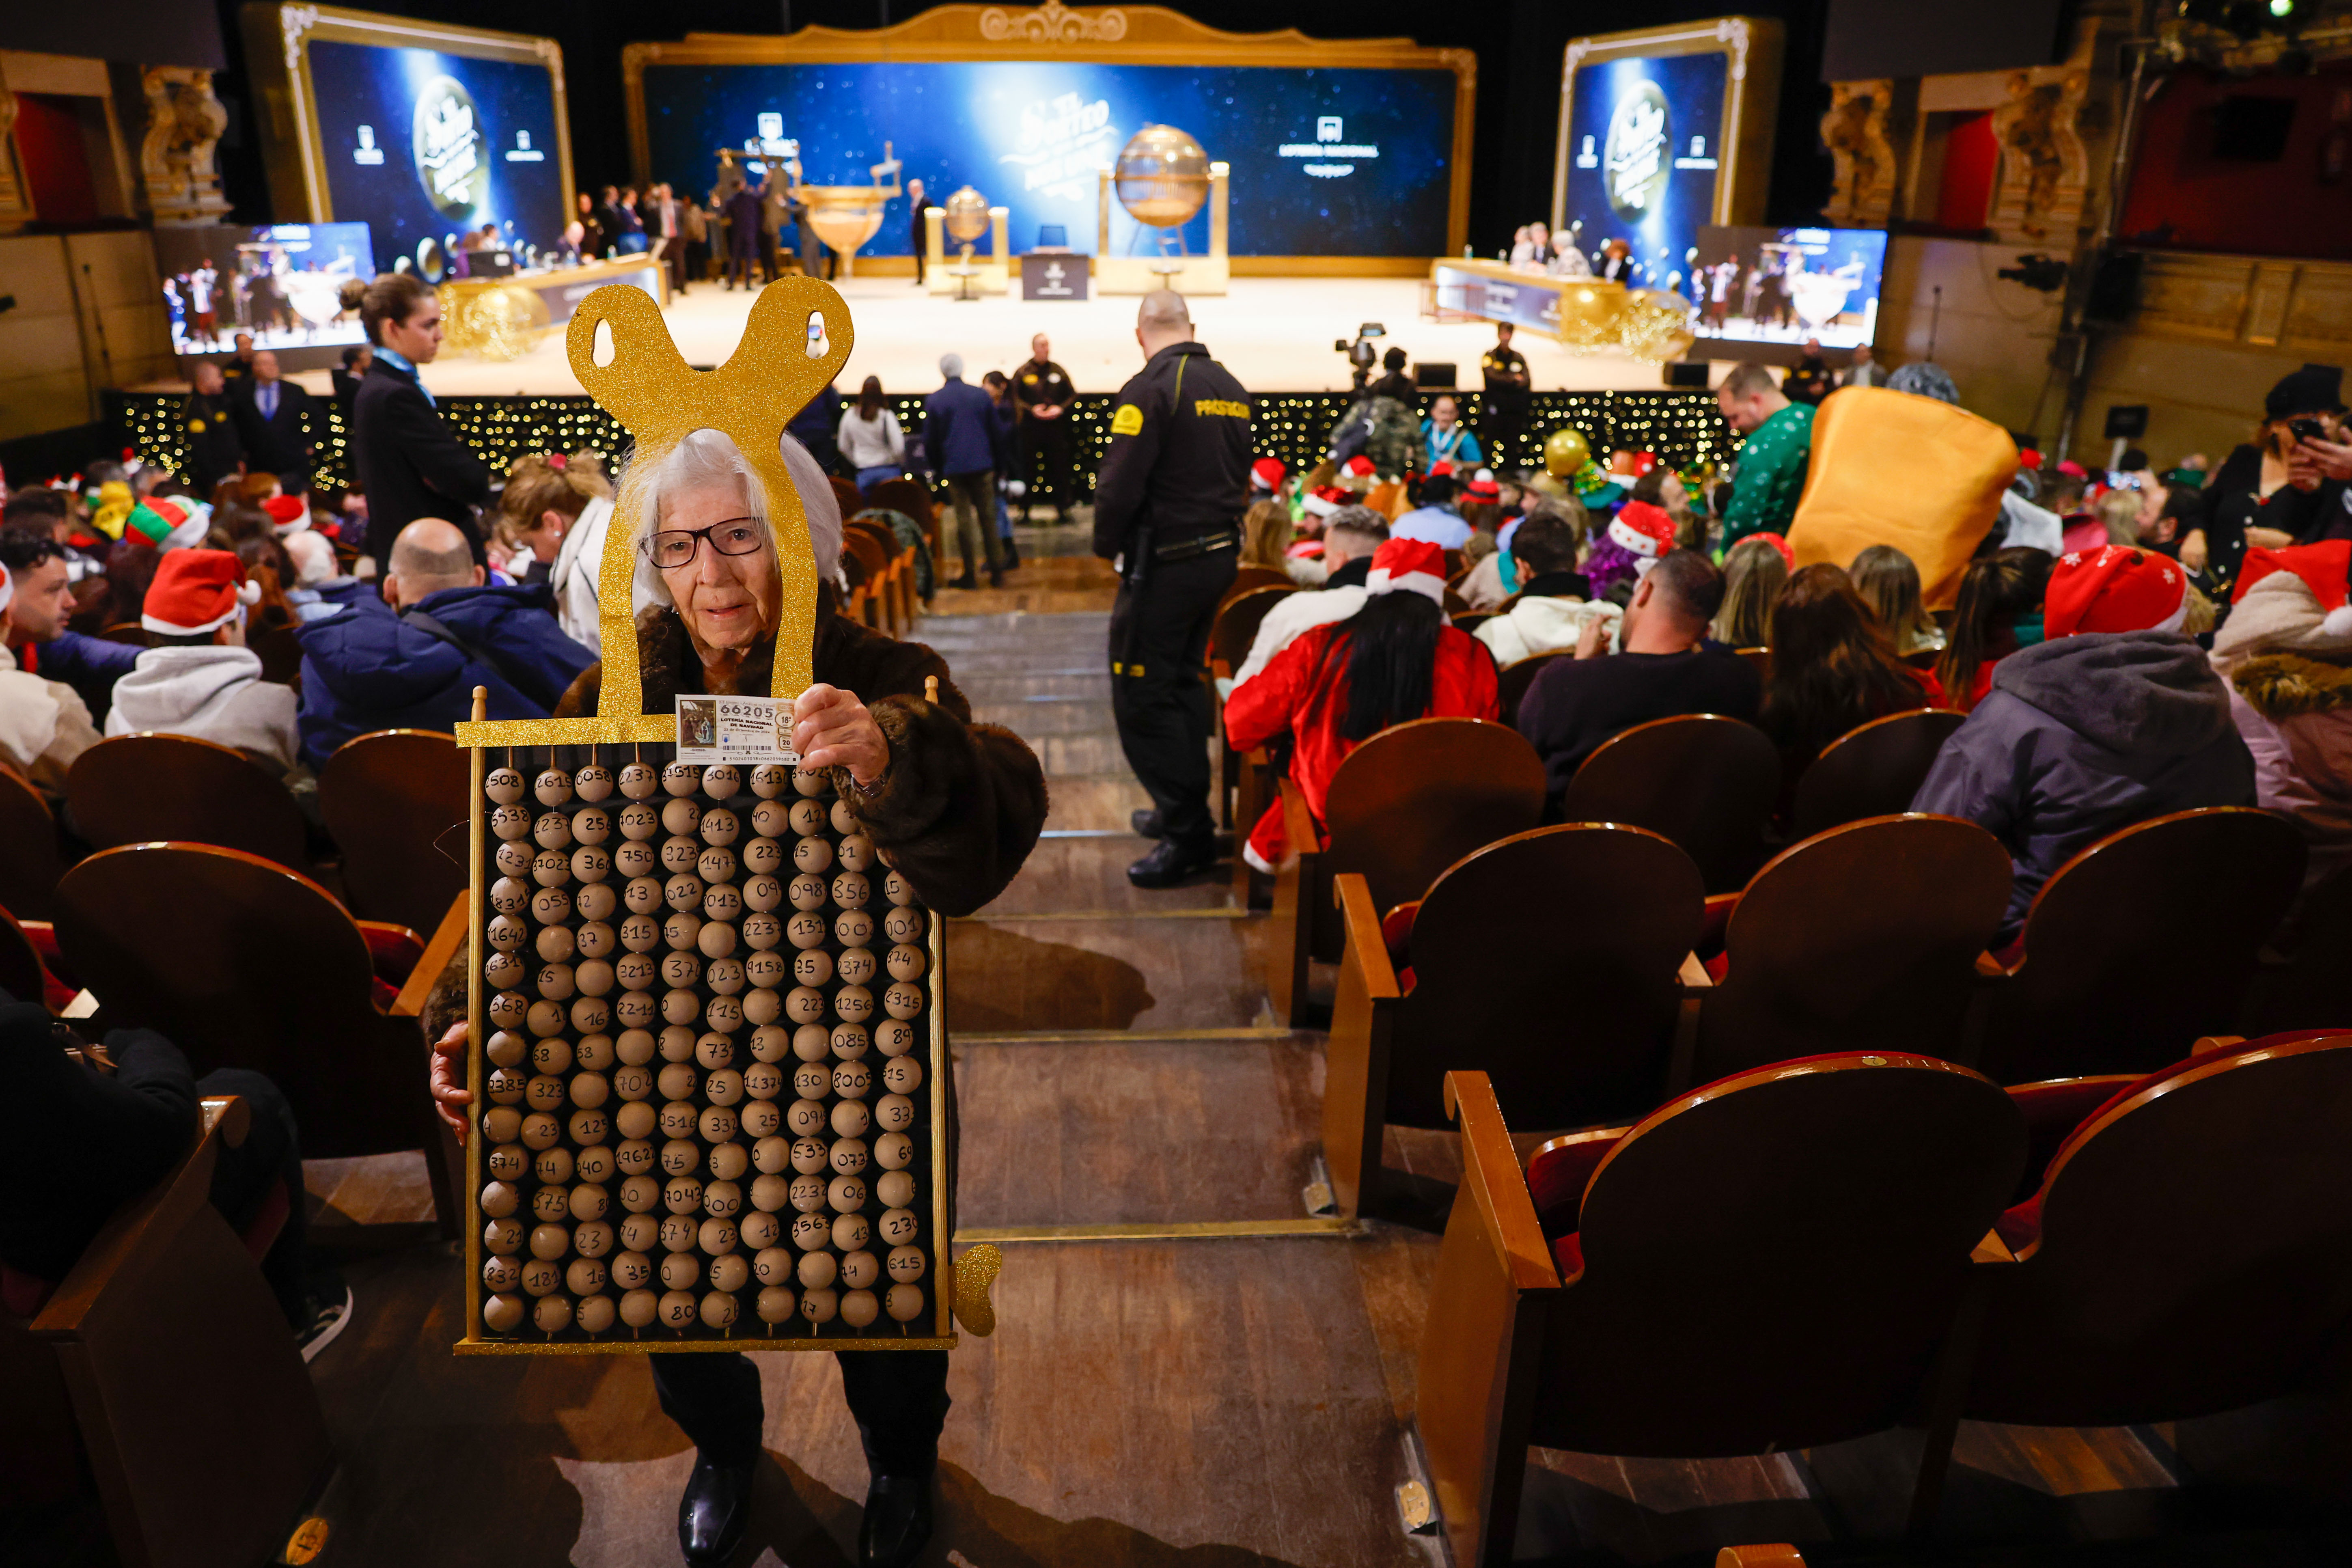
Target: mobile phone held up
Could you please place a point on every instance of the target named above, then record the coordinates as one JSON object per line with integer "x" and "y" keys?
{"x": 2307, "y": 429}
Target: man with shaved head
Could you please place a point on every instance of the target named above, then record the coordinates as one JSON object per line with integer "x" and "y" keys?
{"x": 409, "y": 656}
{"x": 1168, "y": 506}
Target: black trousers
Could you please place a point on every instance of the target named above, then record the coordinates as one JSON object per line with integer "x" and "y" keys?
{"x": 899, "y": 1398}
{"x": 1159, "y": 641}
{"x": 271, "y": 1155}
{"x": 1049, "y": 439}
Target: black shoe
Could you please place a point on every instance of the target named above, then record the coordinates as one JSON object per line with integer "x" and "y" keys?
{"x": 898, "y": 1522}
{"x": 1172, "y": 861}
{"x": 996, "y": 577}
{"x": 714, "y": 1512}
{"x": 1011, "y": 557}
{"x": 1146, "y": 823}
{"x": 322, "y": 1316}
{"x": 966, "y": 581}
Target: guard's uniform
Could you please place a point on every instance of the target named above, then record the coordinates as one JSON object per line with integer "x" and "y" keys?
{"x": 1508, "y": 399}
{"x": 1046, "y": 386}
{"x": 1168, "y": 503}
{"x": 214, "y": 448}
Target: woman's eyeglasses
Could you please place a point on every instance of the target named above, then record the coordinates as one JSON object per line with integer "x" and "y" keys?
{"x": 672, "y": 548}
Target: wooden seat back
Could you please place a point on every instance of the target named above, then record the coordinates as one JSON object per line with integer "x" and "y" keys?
{"x": 1772, "y": 1262}
{"x": 279, "y": 650}
{"x": 845, "y": 496}
{"x": 396, "y": 802}
{"x": 1873, "y": 770}
{"x": 148, "y": 788}
{"x": 2193, "y": 1249}
{"x": 2143, "y": 943}
{"x": 1471, "y": 620}
{"x": 1706, "y": 781}
{"x": 31, "y": 860}
{"x": 1238, "y": 619}
{"x": 1415, "y": 798}
{"x": 2309, "y": 986}
{"x": 1247, "y": 578}
{"x": 1864, "y": 937}
{"x": 913, "y": 497}
{"x": 1511, "y": 685}
{"x": 1548, "y": 961}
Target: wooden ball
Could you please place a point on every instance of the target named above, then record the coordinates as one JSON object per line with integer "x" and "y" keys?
{"x": 643, "y": 895}
{"x": 514, "y": 859}
{"x": 593, "y": 781}
{"x": 763, "y": 969}
{"x": 509, "y": 897}
{"x": 552, "y": 787}
{"x": 853, "y": 1003}
{"x": 633, "y": 1270}
{"x": 591, "y": 1016}
{"x": 555, "y": 981}
{"x": 634, "y": 1011}
{"x": 585, "y": 1277}
{"x": 594, "y": 977}
{"x": 904, "y": 1264}
{"x": 804, "y": 1004}
{"x": 504, "y": 969}
{"x": 848, "y": 1156}
{"x": 769, "y": 1042}
{"x": 596, "y": 902}
{"x": 813, "y": 856}
{"x": 552, "y": 1165}
{"x": 595, "y": 1166}
{"x": 588, "y": 1202}
{"x": 817, "y": 1269}
{"x": 849, "y": 1041}
{"x": 774, "y": 819}
{"x": 716, "y": 939}
{"x": 894, "y": 1151}
{"x": 632, "y": 1082}
{"x": 820, "y": 1307}
{"x": 540, "y": 1129}
{"x": 678, "y": 1231}
{"x": 811, "y": 783}
{"x": 727, "y": 1162}
{"x": 549, "y": 1240}
{"x": 729, "y": 1274}
{"x": 588, "y": 1090}
{"x": 503, "y": 1313}
{"x": 804, "y": 1117}
{"x": 844, "y": 820}
{"x": 681, "y": 817}
{"x": 778, "y": 1304}
{"x": 591, "y": 825}
{"x": 903, "y": 925}
{"x": 506, "y": 1048}
{"x": 859, "y": 1308}
{"x": 845, "y": 1194}
{"x": 683, "y": 891}
{"x": 593, "y": 1238}
{"x": 722, "y": 1014}
{"x": 715, "y": 866}
{"x": 506, "y": 1086}
{"x": 679, "y": 854}
{"x": 769, "y": 780}
{"x": 897, "y": 889}
{"x": 903, "y": 1075}
{"x": 860, "y": 1271}
{"x": 639, "y": 822}
{"x": 717, "y": 1235}
{"x": 681, "y": 1271}
{"x": 811, "y": 1232}
{"x": 849, "y": 1118}
{"x": 722, "y": 782}
{"x": 721, "y": 826}
{"x": 595, "y": 1314}
{"x": 723, "y": 1086}
{"x": 635, "y": 1121}
{"x": 500, "y": 1125}
{"x": 895, "y": 1112}
{"x": 682, "y": 929}
{"x": 678, "y": 1311}
{"x": 852, "y": 1080}
{"x": 681, "y": 779}
{"x": 721, "y": 903}
{"x": 771, "y": 1155}
{"x": 761, "y": 1118}
{"x": 769, "y": 1192}
{"x": 808, "y": 1155}
{"x": 503, "y": 1237}
{"x": 718, "y": 1124}
{"x": 811, "y": 1081}
{"x": 811, "y": 1043}
{"x": 774, "y": 1266}
{"x": 511, "y": 822}
{"x": 903, "y": 999}
{"x": 851, "y": 1232}
{"x": 678, "y": 1119}
{"x": 639, "y": 1308}
{"x": 502, "y": 1274}
{"x": 857, "y": 966}
{"x": 507, "y": 1009}
{"x": 851, "y": 889}
{"x": 894, "y": 1037}
{"x": 676, "y": 1044}
{"x": 639, "y": 1193}
{"x": 807, "y": 818}
{"x": 681, "y": 1008}
{"x": 857, "y": 853}
{"x": 507, "y": 1163}
{"x": 806, "y": 892}
{"x": 540, "y": 1276}
{"x": 590, "y": 864}
{"x": 500, "y": 1199}
{"x": 904, "y": 1304}
{"x": 503, "y": 786}
{"x": 550, "y": 1203}
{"x": 759, "y": 1231}
{"x": 813, "y": 966}
{"x": 899, "y": 1223}
{"x": 808, "y": 1194}
{"x": 596, "y": 938}
{"x": 855, "y": 928}
{"x": 589, "y": 1127}
{"x": 761, "y": 931}
{"x": 551, "y": 830}
{"x": 680, "y": 970}
{"x": 906, "y": 963}
{"x": 764, "y": 857}
{"x": 551, "y": 906}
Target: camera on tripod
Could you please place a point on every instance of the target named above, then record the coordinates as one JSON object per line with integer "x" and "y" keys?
{"x": 1360, "y": 353}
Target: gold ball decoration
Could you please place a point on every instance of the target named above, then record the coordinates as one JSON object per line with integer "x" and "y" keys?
{"x": 503, "y": 322}
{"x": 967, "y": 216}
{"x": 1162, "y": 176}
{"x": 1565, "y": 451}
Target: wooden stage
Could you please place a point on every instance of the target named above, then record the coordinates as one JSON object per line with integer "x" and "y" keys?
{"x": 1152, "y": 1397}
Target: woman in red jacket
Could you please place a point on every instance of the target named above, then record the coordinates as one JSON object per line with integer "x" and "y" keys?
{"x": 1337, "y": 686}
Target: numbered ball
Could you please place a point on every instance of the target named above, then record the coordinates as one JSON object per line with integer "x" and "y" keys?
{"x": 728, "y": 1163}
{"x": 770, "y": 1044}
{"x": 820, "y": 1307}
{"x": 861, "y": 1270}
{"x": 894, "y": 1151}
{"x": 514, "y": 859}
{"x": 904, "y": 925}
{"x": 593, "y": 781}
{"x": 508, "y": 1162}
{"x": 503, "y": 786}
{"x": 681, "y": 1271}
{"x": 856, "y": 966}
{"x": 595, "y": 1314}
{"x": 761, "y": 1118}
{"x": 509, "y": 897}
{"x": 895, "y": 1112}
{"x": 592, "y": 1240}
{"x": 590, "y": 864}
{"x": 638, "y": 781}
{"x": 503, "y": 1237}
{"x": 506, "y": 1048}
{"x": 551, "y": 830}
{"x": 681, "y": 779}
{"x": 851, "y": 889}
{"x": 500, "y": 1274}
{"x": 721, "y": 781}
{"x": 682, "y": 929}
{"x": 723, "y": 1086}
{"x": 593, "y": 826}
{"x": 903, "y": 1075}
{"x": 549, "y": 1203}
{"x": 854, "y": 927}
{"x": 639, "y": 1308}
{"x": 813, "y": 967}
{"x": 808, "y": 1194}
{"x": 549, "y": 1241}
{"x": 806, "y": 892}
{"x": 500, "y": 1199}
{"x": 809, "y": 1157}
{"x": 811, "y": 1232}
{"x": 722, "y": 902}
{"x": 769, "y": 780}
{"x": 679, "y": 854}
{"x": 681, "y": 817}
{"x": 850, "y": 1119}
{"x": 633, "y": 1271}
{"x": 897, "y": 889}
{"x": 757, "y": 1231}
{"x": 905, "y": 1265}
{"x": 849, "y": 1041}
{"x": 804, "y": 1117}
{"x": 846, "y": 1194}
{"x": 851, "y": 1232}
{"x": 730, "y": 1273}
{"x": 854, "y": 1081}
{"x": 721, "y": 827}
{"x": 717, "y": 1235}
{"x": 812, "y": 783}
{"x": 853, "y": 1003}
{"x": 857, "y": 853}
{"x": 511, "y": 822}
{"x": 639, "y": 822}
{"x": 906, "y": 963}
{"x": 678, "y": 1310}
{"x": 502, "y": 1314}
{"x": 501, "y": 1124}
{"x": 905, "y": 1302}
{"x": 585, "y": 1277}
{"x": 505, "y": 970}
{"x": 903, "y": 1000}
{"x": 899, "y": 1222}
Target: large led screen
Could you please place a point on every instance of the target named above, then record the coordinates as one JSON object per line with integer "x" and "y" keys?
{"x": 1761, "y": 285}
{"x": 1325, "y": 162}
{"x": 1644, "y": 150}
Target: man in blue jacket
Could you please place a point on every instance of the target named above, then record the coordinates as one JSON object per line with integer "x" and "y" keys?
{"x": 965, "y": 447}
{"x": 411, "y": 659}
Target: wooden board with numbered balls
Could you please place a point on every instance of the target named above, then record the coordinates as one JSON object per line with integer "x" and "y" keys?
{"x": 708, "y": 1041}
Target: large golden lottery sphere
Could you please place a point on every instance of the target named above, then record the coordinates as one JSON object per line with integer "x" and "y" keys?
{"x": 967, "y": 216}
{"x": 1565, "y": 451}
{"x": 1162, "y": 176}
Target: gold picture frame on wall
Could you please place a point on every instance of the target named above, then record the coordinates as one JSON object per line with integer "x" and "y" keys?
{"x": 1752, "y": 47}
{"x": 1095, "y": 35}
{"x": 278, "y": 39}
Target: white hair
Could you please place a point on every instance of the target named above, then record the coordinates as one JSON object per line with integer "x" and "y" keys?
{"x": 705, "y": 458}
{"x": 952, "y": 365}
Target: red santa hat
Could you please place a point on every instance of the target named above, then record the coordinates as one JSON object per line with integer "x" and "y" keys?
{"x": 1643, "y": 529}
{"x": 197, "y": 591}
{"x": 1778, "y": 541}
{"x": 1357, "y": 471}
{"x": 1415, "y": 565}
{"x": 1328, "y": 499}
{"x": 1265, "y": 474}
{"x": 7, "y": 590}
{"x": 2115, "y": 589}
{"x": 1482, "y": 487}
{"x": 2326, "y": 569}
{"x": 288, "y": 514}
{"x": 1442, "y": 466}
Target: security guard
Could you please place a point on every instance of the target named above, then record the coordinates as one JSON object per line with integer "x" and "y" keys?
{"x": 208, "y": 414}
{"x": 1042, "y": 391}
{"x": 1506, "y": 399}
{"x": 1168, "y": 506}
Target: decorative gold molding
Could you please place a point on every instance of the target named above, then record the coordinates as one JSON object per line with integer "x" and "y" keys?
{"x": 1126, "y": 34}
{"x": 16, "y": 204}
{"x": 184, "y": 122}
{"x": 2045, "y": 172}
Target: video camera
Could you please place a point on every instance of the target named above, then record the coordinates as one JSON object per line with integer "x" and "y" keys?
{"x": 1360, "y": 353}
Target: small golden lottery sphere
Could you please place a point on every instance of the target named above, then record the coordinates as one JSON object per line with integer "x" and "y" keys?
{"x": 593, "y": 781}
{"x": 676, "y": 1044}
{"x": 639, "y": 1193}
{"x": 845, "y": 1194}
{"x": 552, "y": 787}
{"x": 725, "y": 975}
{"x": 639, "y": 822}
{"x": 769, "y": 1192}
{"x": 638, "y": 781}
{"x": 811, "y": 1081}
{"x": 591, "y": 825}
{"x": 502, "y": 1274}
{"x": 807, "y": 817}
{"x": 635, "y": 1047}
{"x": 778, "y": 1304}
{"x": 772, "y": 819}
{"x": 592, "y": 1239}
{"x": 811, "y": 1232}
{"x": 853, "y": 1003}
{"x": 764, "y": 893}
{"x": 857, "y": 853}
{"x": 721, "y": 905}
{"x": 553, "y": 1165}
{"x": 635, "y": 1124}
{"x": 683, "y": 891}
{"x": 899, "y": 1224}
{"x": 588, "y": 1090}
{"x": 844, "y": 820}
{"x": 639, "y": 1308}
{"x": 682, "y": 929}
{"x": 681, "y": 1271}
{"x": 852, "y": 1080}
{"x": 769, "y": 780}
{"x": 503, "y": 786}
{"x": 895, "y": 1112}
{"x": 678, "y": 1231}
{"x": 905, "y": 1302}
{"x": 549, "y": 1204}
{"x": 508, "y": 1162}
{"x": 894, "y": 1151}
{"x": 717, "y": 1235}
{"x": 551, "y": 905}
{"x": 595, "y": 1165}
{"x": 716, "y": 939}
{"x": 728, "y": 1275}
{"x": 728, "y": 1163}
{"x": 506, "y": 1048}
{"x": 640, "y": 934}
{"x": 902, "y": 1075}
{"x": 681, "y": 779}
{"x": 721, "y": 781}
{"x": 897, "y": 889}
{"x": 715, "y": 866}
{"x": 590, "y": 864}
{"x": 850, "y": 890}
{"x": 810, "y": 1042}
{"x": 549, "y": 1241}
{"x": 633, "y": 1270}
{"x": 585, "y": 1277}
{"x": 504, "y": 969}
{"x": 718, "y": 1124}
{"x": 808, "y": 1155}
{"x": 589, "y": 1202}
{"x": 773, "y": 1266}
{"x": 807, "y": 892}
{"x": 510, "y": 822}
{"x": 850, "y": 1233}
{"x": 856, "y": 966}
{"x": 763, "y": 969}
{"x": 680, "y": 817}
{"x": 903, "y": 999}
{"x": 759, "y": 1231}
{"x": 509, "y": 897}
{"x": 813, "y": 966}
{"x": 514, "y": 859}
{"x": 764, "y": 857}
{"x": 905, "y": 962}
{"x": 551, "y": 867}
{"x": 554, "y": 982}
{"x": 855, "y": 928}
{"x": 858, "y": 1308}
{"x": 545, "y": 1017}
{"x": 812, "y": 854}
{"x": 804, "y": 1117}
{"x": 723, "y": 1086}
{"x": 849, "y": 1041}
{"x": 503, "y": 1237}
{"x": 594, "y": 977}
{"x": 501, "y": 1125}
{"x": 762, "y": 1007}
{"x": 848, "y": 1157}
{"x": 500, "y": 1199}
{"x": 808, "y": 1194}
{"x": 721, "y": 826}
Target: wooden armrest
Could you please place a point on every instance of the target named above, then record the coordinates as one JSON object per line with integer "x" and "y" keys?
{"x": 1258, "y": 759}
{"x": 2211, "y": 1045}
{"x": 1365, "y": 947}
{"x": 1990, "y": 968}
{"x": 157, "y": 1212}
{"x": 1490, "y": 1173}
{"x": 1220, "y": 670}
{"x": 1992, "y": 1250}
{"x": 1299, "y": 836}
{"x": 1693, "y": 976}
{"x": 456, "y": 926}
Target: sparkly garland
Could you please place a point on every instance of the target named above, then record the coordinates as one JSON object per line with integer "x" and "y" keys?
{"x": 1683, "y": 428}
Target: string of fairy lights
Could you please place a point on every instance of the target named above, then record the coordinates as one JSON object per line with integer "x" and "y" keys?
{"x": 1682, "y": 429}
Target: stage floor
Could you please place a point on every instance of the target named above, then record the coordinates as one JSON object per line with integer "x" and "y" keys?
{"x": 1274, "y": 333}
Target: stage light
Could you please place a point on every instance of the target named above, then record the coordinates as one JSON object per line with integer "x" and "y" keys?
{"x": 2283, "y": 8}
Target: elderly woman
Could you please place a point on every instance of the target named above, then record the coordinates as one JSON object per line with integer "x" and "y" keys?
{"x": 954, "y": 806}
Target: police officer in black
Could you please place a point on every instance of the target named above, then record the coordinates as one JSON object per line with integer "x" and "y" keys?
{"x": 1167, "y": 504}
{"x": 1042, "y": 391}
{"x": 1507, "y": 399}
{"x": 208, "y": 414}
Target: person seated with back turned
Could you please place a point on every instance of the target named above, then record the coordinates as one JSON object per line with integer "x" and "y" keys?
{"x": 411, "y": 658}
{"x": 1666, "y": 667}
{"x": 952, "y": 807}
{"x": 1337, "y": 686}
{"x": 1833, "y": 668}
{"x": 2117, "y": 718}
{"x": 1437, "y": 518}
{"x": 1553, "y": 607}
{"x": 1350, "y": 536}
{"x": 197, "y": 677}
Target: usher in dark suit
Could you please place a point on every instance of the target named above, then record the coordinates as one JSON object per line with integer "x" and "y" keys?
{"x": 410, "y": 464}
{"x": 280, "y": 441}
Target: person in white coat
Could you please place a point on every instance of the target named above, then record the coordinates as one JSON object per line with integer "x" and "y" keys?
{"x": 44, "y": 724}
{"x": 197, "y": 677}
{"x": 870, "y": 439}
{"x": 1350, "y": 535}
{"x": 1553, "y": 605}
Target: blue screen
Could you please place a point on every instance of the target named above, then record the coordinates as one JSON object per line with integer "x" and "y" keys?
{"x": 425, "y": 146}
{"x": 1643, "y": 157}
{"x": 1325, "y": 162}
{"x": 1761, "y": 285}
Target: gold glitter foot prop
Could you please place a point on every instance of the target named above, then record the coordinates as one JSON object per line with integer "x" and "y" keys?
{"x": 975, "y": 1275}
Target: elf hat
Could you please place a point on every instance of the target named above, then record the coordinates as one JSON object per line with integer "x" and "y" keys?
{"x": 1265, "y": 474}
{"x": 1327, "y": 500}
{"x": 1643, "y": 529}
{"x": 2115, "y": 589}
{"x": 1415, "y": 565}
{"x": 288, "y": 514}
{"x": 197, "y": 591}
{"x": 2325, "y": 570}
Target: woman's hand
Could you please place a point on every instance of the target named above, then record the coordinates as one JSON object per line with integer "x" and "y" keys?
{"x": 2333, "y": 458}
{"x": 2192, "y": 549}
{"x": 445, "y": 1079}
{"x": 2268, "y": 539}
{"x": 832, "y": 729}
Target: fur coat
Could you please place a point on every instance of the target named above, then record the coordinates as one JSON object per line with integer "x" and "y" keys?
{"x": 2295, "y": 715}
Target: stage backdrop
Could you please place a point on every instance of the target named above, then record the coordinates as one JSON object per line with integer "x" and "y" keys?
{"x": 425, "y": 131}
{"x": 1662, "y": 130}
{"x": 1356, "y": 150}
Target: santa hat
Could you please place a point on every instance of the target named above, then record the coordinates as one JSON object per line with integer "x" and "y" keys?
{"x": 1415, "y": 565}
{"x": 2324, "y": 569}
{"x": 1482, "y": 487}
{"x": 288, "y": 514}
{"x": 2115, "y": 589}
{"x": 1328, "y": 499}
{"x": 2073, "y": 471}
{"x": 197, "y": 591}
{"x": 1357, "y": 472}
{"x": 2027, "y": 458}
{"x": 1643, "y": 529}
{"x": 1779, "y": 542}
{"x": 1442, "y": 466}
{"x": 7, "y": 590}
{"x": 1265, "y": 474}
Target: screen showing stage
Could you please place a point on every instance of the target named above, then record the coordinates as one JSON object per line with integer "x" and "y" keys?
{"x": 1325, "y": 162}
{"x": 426, "y": 146}
{"x": 1643, "y": 158}
{"x": 1764, "y": 285}
{"x": 280, "y": 282}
